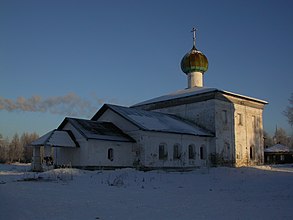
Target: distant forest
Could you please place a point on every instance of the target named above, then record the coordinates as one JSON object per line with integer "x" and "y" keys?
{"x": 17, "y": 149}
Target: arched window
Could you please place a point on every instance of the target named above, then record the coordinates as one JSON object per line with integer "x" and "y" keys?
{"x": 163, "y": 153}
{"x": 110, "y": 154}
{"x": 251, "y": 152}
{"x": 202, "y": 153}
{"x": 191, "y": 152}
{"x": 176, "y": 152}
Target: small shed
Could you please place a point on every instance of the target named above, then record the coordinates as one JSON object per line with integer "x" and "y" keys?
{"x": 278, "y": 154}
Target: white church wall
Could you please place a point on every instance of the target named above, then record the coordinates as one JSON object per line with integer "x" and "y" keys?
{"x": 220, "y": 115}
{"x": 224, "y": 132}
{"x": 107, "y": 153}
{"x": 249, "y": 135}
{"x": 66, "y": 156}
{"x": 150, "y": 143}
{"x": 237, "y": 126}
{"x": 95, "y": 153}
{"x": 241, "y": 149}
{"x": 70, "y": 157}
{"x": 138, "y": 146}
{"x": 205, "y": 115}
{"x": 201, "y": 113}
{"x": 241, "y": 130}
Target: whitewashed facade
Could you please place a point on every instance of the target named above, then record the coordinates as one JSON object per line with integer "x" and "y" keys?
{"x": 212, "y": 127}
{"x": 235, "y": 120}
{"x": 141, "y": 139}
{"x": 194, "y": 127}
{"x": 159, "y": 147}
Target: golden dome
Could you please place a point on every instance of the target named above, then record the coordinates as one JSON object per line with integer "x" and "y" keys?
{"x": 194, "y": 61}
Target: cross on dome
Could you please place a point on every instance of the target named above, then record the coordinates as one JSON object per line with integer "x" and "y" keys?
{"x": 194, "y": 64}
{"x": 194, "y": 35}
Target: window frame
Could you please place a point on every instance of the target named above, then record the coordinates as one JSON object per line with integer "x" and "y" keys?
{"x": 252, "y": 152}
{"x": 191, "y": 152}
{"x": 239, "y": 119}
{"x": 202, "y": 153}
{"x": 177, "y": 152}
{"x": 163, "y": 153}
{"x": 110, "y": 154}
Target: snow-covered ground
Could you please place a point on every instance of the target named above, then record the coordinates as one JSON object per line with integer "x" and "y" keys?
{"x": 263, "y": 192}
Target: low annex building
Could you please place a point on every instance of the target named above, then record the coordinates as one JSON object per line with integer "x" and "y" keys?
{"x": 278, "y": 154}
{"x": 194, "y": 127}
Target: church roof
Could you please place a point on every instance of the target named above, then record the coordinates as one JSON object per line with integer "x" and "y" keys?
{"x": 277, "y": 148}
{"x": 97, "y": 130}
{"x": 194, "y": 91}
{"x": 56, "y": 138}
{"x": 155, "y": 121}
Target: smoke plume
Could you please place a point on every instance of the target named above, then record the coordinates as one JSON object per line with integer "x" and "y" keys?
{"x": 70, "y": 105}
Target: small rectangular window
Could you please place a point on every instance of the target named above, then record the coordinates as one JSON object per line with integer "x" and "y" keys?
{"x": 251, "y": 153}
{"x": 191, "y": 152}
{"x": 110, "y": 154}
{"x": 202, "y": 155}
{"x": 239, "y": 119}
{"x": 253, "y": 121}
{"x": 176, "y": 152}
{"x": 224, "y": 116}
{"x": 163, "y": 154}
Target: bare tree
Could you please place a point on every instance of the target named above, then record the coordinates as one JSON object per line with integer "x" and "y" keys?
{"x": 289, "y": 111}
{"x": 25, "y": 140}
{"x": 291, "y": 142}
{"x": 15, "y": 151}
{"x": 3, "y": 148}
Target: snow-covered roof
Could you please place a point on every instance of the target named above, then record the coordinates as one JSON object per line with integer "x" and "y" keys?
{"x": 97, "y": 130}
{"x": 155, "y": 121}
{"x": 56, "y": 138}
{"x": 277, "y": 148}
{"x": 193, "y": 92}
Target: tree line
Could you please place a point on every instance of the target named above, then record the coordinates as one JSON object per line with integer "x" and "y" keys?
{"x": 16, "y": 149}
{"x": 280, "y": 137}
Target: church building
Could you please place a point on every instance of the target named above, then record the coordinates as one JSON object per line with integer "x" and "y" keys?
{"x": 194, "y": 127}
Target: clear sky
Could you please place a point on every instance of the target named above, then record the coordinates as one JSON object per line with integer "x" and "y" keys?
{"x": 66, "y": 58}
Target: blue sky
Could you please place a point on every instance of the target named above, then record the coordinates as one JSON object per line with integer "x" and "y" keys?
{"x": 124, "y": 52}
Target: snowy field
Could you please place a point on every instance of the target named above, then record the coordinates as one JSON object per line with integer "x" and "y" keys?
{"x": 264, "y": 192}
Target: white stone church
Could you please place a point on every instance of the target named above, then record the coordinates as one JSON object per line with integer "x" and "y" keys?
{"x": 194, "y": 127}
